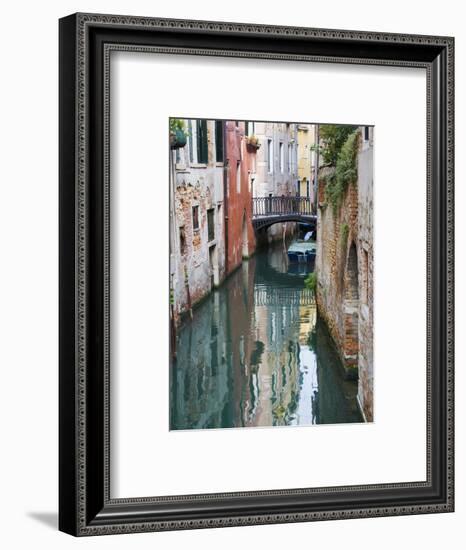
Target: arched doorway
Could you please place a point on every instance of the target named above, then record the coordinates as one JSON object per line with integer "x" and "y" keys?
{"x": 351, "y": 315}
{"x": 245, "y": 245}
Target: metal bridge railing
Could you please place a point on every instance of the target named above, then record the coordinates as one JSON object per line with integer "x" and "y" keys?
{"x": 279, "y": 206}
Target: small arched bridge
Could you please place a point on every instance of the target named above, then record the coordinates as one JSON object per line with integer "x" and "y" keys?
{"x": 269, "y": 210}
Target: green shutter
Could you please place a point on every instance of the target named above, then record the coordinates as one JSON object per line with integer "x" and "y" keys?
{"x": 219, "y": 141}
{"x": 202, "y": 141}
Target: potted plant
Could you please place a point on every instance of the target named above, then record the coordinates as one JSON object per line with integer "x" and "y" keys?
{"x": 178, "y": 133}
{"x": 252, "y": 143}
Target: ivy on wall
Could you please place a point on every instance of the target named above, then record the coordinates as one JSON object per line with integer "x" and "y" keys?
{"x": 339, "y": 150}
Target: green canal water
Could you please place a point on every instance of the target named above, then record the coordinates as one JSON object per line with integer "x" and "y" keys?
{"x": 257, "y": 354}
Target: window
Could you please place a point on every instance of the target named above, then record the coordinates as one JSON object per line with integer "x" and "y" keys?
{"x": 269, "y": 156}
{"x": 366, "y": 133}
{"x": 219, "y": 141}
{"x": 211, "y": 224}
{"x": 250, "y": 130}
{"x": 195, "y": 218}
{"x": 282, "y": 158}
{"x": 307, "y": 189}
{"x": 238, "y": 176}
{"x": 201, "y": 131}
{"x": 290, "y": 158}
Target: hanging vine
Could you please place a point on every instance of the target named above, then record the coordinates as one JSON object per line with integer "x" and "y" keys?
{"x": 346, "y": 171}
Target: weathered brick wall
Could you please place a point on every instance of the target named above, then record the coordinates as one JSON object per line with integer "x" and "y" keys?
{"x": 344, "y": 267}
{"x": 336, "y": 233}
{"x": 195, "y": 185}
{"x": 194, "y": 257}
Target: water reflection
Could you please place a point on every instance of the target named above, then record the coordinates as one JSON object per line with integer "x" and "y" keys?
{"x": 256, "y": 354}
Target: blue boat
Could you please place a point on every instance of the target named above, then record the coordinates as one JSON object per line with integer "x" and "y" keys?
{"x": 302, "y": 251}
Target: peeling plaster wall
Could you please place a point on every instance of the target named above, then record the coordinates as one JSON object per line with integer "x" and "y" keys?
{"x": 366, "y": 261}
{"x": 194, "y": 257}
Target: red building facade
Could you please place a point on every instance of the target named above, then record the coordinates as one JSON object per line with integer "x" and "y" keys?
{"x": 240, "y": 160}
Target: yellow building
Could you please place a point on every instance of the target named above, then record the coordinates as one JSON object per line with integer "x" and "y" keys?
{"x": 306, "y": 139}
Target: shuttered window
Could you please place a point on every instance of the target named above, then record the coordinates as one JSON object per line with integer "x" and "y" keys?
{"x": 269, "y": 156}
{"x": 201, "y": 141}
{"x": 219, "y": 140}
{"x": 195, "y": 217}
{"x": 211, "y": 224}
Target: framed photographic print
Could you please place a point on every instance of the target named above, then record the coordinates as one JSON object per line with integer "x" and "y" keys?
{"x": 256, "y": 274}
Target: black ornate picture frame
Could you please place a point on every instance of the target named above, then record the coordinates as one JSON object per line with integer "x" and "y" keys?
{"x": 86, "y": 41}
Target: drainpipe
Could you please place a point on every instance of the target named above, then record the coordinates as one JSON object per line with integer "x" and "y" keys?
{"x": 225, "y": 194}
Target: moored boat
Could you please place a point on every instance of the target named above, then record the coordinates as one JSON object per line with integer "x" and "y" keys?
{"x": 302, "y": 251}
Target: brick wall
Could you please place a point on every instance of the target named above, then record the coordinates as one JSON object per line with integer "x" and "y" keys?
{"x": 344, "y": 266}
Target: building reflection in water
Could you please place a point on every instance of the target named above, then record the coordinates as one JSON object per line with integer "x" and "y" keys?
{"x": 256, "y": 354}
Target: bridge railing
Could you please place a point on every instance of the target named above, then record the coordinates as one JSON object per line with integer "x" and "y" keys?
{"x": 279, "y": 206}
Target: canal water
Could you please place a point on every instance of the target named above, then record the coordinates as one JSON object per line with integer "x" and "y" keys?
{"x": 257, "y": 354}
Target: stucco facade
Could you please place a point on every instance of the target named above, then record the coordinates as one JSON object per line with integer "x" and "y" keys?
{"x": 276, "y": 166}
{"x": 306, "y": 134}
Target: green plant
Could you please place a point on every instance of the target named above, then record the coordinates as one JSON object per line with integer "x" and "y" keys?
{"x": 311, "y": 281}
{"x": 178, "y": 133}
{"x": 252, "y": 142}
{"x": 332, "y": 138}
{"x": 177, "y": 124}
{"x": 346, "y": 171}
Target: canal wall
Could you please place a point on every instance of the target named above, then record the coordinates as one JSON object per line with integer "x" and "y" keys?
{"x": 344, "y": 267}
{"x": 336, "y": 396}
